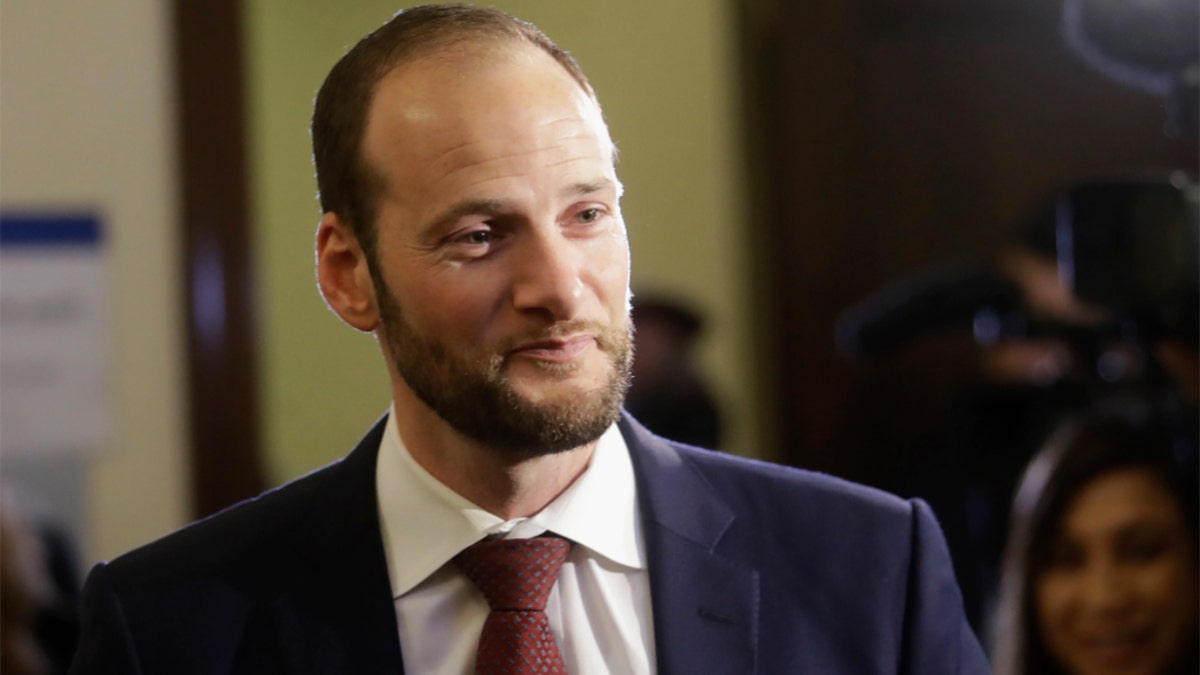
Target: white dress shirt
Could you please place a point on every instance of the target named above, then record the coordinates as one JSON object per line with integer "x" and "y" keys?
{"x": 599, "y": 610}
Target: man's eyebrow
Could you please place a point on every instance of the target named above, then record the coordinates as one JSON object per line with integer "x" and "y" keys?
{"x": 499, "y": 207}
{"x": 467, "y": 207}
{"x": 590, "y": 187}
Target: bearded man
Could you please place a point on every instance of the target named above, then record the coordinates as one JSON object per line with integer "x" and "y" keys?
{"x": 472, "y": 222}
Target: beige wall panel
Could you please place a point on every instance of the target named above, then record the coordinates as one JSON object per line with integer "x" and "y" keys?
{"x": 86, "y": 123}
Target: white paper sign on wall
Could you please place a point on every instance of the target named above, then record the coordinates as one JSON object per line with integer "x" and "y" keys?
{"x": 54, "y": 342}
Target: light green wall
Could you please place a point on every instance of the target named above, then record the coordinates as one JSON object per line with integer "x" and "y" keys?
{"x": 665, "y": 73}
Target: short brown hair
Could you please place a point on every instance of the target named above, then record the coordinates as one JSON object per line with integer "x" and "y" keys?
{"x": 346, "y": 183}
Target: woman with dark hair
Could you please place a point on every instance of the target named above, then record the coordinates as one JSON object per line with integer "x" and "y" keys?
{"x": 1100, "y": 571}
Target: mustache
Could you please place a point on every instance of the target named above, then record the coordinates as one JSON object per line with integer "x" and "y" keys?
{"x": 608, "y": 337}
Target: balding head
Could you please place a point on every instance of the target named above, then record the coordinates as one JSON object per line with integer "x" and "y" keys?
{"x": 348, "y": 185}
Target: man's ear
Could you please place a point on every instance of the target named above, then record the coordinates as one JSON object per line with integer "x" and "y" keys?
{"x": 343, "y": 275}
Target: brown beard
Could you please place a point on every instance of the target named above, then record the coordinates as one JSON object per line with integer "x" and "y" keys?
{"x": 473, "y": 393}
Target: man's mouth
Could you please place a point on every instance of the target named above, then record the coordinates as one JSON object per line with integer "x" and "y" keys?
{"x": 561, "y": 350}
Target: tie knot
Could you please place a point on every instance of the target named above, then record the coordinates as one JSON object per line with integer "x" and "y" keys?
{"x": 515, "y": 574}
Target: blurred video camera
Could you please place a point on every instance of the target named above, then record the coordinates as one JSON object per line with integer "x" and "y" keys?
{"x": 1128, "y": 246}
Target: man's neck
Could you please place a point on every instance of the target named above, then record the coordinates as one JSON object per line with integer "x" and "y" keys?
{"x": 500, "y": 482}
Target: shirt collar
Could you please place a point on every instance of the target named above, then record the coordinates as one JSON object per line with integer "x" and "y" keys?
{"x": 425, "y": 524}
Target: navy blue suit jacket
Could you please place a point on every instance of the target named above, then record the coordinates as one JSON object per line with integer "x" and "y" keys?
{"x": 754, "y": 568}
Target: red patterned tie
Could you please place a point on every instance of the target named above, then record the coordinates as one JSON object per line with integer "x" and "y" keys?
{"x": 516, "y": 575}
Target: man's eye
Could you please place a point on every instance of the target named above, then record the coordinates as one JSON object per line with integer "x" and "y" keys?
{"x": 477, "y": 237}
{"x": 589, "y": 215}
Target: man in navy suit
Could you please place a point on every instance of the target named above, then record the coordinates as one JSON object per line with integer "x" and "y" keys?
{"x": 472, "y": 223}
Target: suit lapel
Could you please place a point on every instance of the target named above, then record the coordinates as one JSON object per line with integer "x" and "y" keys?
{"x": 336, "y": 613}
{"x": 705, "y": 605}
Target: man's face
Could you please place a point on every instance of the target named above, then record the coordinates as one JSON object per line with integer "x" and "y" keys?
{"x": 503, "y": 265}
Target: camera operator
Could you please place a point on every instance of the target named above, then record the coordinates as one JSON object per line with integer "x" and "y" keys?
{"x": 1094, "y": 296}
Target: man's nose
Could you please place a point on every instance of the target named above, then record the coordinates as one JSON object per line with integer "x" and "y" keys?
{"x": 547, "y": 278}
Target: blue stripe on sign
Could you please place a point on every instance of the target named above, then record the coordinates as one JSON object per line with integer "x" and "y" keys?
{"x": 49, "y": 230}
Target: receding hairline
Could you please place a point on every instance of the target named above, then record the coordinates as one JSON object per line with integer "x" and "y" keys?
{"x": 347, "y": 183}
{"x": 470, "y": 55}
{"x": 470, "y": 52}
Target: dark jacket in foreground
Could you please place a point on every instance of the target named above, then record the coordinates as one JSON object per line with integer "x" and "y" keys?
{"x": 754, "y": 568}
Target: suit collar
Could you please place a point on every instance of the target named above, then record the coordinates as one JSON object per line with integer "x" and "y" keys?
{"x": 337, "y": 614}
{"x": 425, "y": 523}
{"x": 705, "y": 604}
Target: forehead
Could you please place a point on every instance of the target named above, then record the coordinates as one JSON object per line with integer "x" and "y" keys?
{"x": 1119, "y": 498}
{"x": 475, "y": 103}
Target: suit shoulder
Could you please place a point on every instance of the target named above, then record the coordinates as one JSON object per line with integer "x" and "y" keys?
{"x": 227, "y": 540}
{"x": 782, "y": 516}
{"x": 800, "y": 487}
